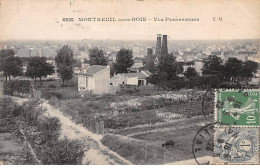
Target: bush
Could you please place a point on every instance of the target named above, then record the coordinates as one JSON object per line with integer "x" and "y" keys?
{"x": 47, "y": 94}
{"x": 49, "y": 128}
{"x": 17, "y": 86}
{"x": 31, "y": 111}
{"x": 54, "y": 101}
{"x": 60, "y": 94}
{"x": 49, "y": 149}
{"x": 52, "y": 86}
{"x": 8, "y": 108}
{"x": 127, "y": 89}
{"x": 63, "y": 152}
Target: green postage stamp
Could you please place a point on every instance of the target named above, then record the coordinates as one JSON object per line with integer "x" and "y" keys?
{"x": 237, "y": 108}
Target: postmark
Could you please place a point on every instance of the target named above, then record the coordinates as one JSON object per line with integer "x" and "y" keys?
{"x": 203, "y": 144}
{"x": 234, "y": 145}
{"x": 237, "y": 107}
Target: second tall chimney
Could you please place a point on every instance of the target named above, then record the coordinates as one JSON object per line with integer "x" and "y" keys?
{"x": 164, "y": 46}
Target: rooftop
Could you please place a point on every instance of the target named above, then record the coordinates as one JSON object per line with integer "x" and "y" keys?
{"x": 93, "y": 70}
{"x": 138, "y": 75}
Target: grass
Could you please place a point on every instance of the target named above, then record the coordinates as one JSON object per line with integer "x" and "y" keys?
{"x": 136, "y": 151}
{"x": 150, "y": 140}
{"x": 13, "y": 151}
{"x": 8, "y": 145}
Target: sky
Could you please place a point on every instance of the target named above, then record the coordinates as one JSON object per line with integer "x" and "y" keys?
{"x": 42, "y": 20}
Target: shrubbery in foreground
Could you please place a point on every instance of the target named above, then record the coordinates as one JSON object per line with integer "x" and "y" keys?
{"x": 41, "y": 132}
{"x": 63, "y": 152}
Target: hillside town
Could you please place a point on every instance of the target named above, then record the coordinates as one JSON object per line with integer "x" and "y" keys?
{"x": 122, "y": 100}
{"x": 145, "y": 55}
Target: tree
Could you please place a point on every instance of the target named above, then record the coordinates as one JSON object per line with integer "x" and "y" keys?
{"x": 233, "y": 68}
{"x": 97, "y": 57}
{"x": 192, "y": 77}
{"x": 65, "y": 72}
{"x": 248, "y": 68}
{"x": 168, "y": 72}
{"x": 38, "y": 67}
{"x": 124, "y": 60}
{"x": 190, "y": 73}
{"x": 9, "y": 64}
{"x": 65, "y": 62}
{"x": 212, "y": 70}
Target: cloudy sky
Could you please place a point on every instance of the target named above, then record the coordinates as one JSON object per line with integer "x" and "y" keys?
{"x": 38, "y": 19}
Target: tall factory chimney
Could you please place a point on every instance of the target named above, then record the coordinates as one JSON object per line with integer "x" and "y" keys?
{"x": 158, "y": 46}
{"x": 164, "y": 49}
{"x": 149, "y": 60}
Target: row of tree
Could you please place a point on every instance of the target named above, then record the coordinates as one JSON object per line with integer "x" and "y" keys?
{"x": 233, "y": 70}
{"x": 37, "y": 67}
{"x": 124, "y": 59}
{"x": 169, "y": 73}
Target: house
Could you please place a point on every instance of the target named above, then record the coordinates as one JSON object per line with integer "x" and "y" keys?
{"x": 53, "y": 63}
{"x": 256, "y": 78}
{"x": 95, "y": 79}
{"x": 78, "y": 70}
{"x": 121, "y": 79}
{"x": 198, "y": 65}
{"x": 136, "y": 67}
{"x": 131, "y": 78}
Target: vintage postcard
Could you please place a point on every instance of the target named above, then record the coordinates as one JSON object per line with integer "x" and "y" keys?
{"x": 129, "y": 82}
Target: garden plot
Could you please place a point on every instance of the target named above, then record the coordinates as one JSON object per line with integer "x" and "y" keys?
{"x": 13, "y": 151}
{"x": 143, "y": 145}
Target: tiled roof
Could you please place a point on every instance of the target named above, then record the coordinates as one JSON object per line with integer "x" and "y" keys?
{"x": 147, "y": 72}
{"x": 93, "y": 70}
{"x": 138, "y": 75}
{"x": 137, "y": 65}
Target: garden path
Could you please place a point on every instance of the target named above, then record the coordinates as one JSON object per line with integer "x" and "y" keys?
{"x": 97, "y": 153}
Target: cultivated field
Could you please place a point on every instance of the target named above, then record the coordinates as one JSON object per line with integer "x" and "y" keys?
{"x": 137, "y": 124}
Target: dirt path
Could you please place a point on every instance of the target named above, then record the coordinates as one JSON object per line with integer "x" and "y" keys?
{"x": 97, "y": 154}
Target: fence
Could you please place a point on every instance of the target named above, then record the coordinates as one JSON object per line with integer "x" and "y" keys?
{"x": 36, "y": 94}
{"x": 94, "y": 124}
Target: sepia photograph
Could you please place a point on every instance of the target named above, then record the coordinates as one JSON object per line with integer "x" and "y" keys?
{"x": 129, "y": 82}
